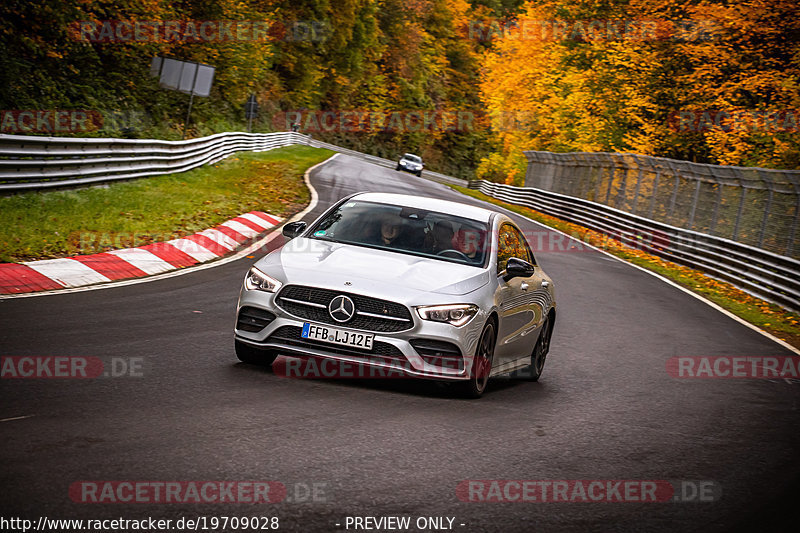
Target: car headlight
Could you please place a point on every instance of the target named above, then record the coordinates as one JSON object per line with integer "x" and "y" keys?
{"x": 258, "y": 281}
{"x": 456, "y": 314}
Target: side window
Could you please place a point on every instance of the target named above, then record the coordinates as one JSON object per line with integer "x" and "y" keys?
{"x": 508, "y": 246}
{"x": 524, "y": 250}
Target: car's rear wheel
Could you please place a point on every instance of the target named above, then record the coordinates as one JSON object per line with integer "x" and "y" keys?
{"x": 398, "y": 167}
{"x": 482, "y": 364}
{"x": 419, "y": 173}
{"x": 254, "y": 356}
{"x": 540, "y": 350}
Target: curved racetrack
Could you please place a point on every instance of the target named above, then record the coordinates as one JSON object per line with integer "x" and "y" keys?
{"x": 605, "y": 408}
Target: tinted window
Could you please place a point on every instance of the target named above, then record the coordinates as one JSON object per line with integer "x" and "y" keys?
{"x": 526, "y": 252}
{"x": 405, "y": 230}
{"x": 508, "y": 246}
{"x": 522, "y": 250}
{"x": 511, "y": 243}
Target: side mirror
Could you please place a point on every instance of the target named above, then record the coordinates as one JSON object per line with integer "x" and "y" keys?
{"x": 293, "y": 229}
{"x": 516, "y": 268}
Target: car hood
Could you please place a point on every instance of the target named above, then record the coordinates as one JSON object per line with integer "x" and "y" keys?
{"x": 320, "y": 263}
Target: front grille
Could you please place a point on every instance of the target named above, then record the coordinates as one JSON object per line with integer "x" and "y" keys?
{"x": 253, "y": 319}
{"x": 311, "y": 303}
{"x": 382, "y": 352}
{"x": 439, "y": 353}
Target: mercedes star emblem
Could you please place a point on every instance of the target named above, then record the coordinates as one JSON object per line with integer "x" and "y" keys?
{"x": 342, "y": 308}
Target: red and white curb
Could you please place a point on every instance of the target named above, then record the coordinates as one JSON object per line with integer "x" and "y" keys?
{"x": 156, "y": 258}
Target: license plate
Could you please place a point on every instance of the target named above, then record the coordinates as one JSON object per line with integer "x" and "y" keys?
{"x": 337, "y": 336}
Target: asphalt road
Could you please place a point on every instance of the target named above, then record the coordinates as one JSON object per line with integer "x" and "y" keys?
{"x": 605, "y": 408}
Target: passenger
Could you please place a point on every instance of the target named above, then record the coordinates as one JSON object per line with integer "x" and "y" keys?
{"x": 441, "y": 237}
{"x": 469, "y": 242}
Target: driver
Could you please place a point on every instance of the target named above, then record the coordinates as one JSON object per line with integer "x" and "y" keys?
{"x": 391, "y": 231}
{"x": 441, "y": 237}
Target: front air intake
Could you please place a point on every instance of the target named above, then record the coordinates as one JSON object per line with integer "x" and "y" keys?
{"x": 253, "y": 319}
{"x": 439, "y": 353}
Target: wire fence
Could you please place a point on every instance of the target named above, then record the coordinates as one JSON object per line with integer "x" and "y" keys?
{"x": 754, "y": 206}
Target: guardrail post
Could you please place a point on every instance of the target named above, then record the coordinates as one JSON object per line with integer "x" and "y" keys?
{"x": 690, "y": 224}
{"x": 654, "y": 194}
{"x": 717, "y": 203}
{"x": 766, "y": 215}
{"x": 735, "y": 235}
{"x": 674, "y": 196}
{"x": 561, "y": 169}
{"x": 600, "y": 173}
{"x": 619, "y": 202}
{"x": 793, "y": 231}
{"x": 586, "y": 186}
{"x": 611, "y": 172}
{"x": 636, "y": 192}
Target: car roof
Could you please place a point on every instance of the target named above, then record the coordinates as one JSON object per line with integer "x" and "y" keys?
{"x": 428, "y": 204}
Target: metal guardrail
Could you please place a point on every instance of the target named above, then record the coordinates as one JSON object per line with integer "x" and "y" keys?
{"x": 755, "y": 206}
{"x": 759, "y": 272}
{"x": 30, "y": 162}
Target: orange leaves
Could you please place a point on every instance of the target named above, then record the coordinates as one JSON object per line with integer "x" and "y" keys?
{"x": 616, "y": 94}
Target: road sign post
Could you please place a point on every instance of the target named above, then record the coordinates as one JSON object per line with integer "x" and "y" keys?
{"x": 250, "y": 111}
{"x": 194, "y": 79}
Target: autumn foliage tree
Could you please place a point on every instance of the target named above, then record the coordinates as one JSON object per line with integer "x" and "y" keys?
{"x": 662, "y": 77}
{"x": 710, "y": 81}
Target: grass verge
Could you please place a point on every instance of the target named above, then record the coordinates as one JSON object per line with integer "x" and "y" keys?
{"x": 767, "y": 316}
{"x": 42, "y": 225}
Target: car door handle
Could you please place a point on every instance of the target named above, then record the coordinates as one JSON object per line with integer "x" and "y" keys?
{"x": 545, "y": 284}
{"x": 523, "y": 286}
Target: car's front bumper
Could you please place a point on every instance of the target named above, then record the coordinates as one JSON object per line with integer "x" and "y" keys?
{"x": 392, "y": 353}
{"x": 409, "y": 168}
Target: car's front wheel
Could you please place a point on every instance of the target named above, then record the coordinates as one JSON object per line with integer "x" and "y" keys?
{"x": 540, "y": 350}
{"x": 254, "y": 356}
{"x": 482, "y": 364}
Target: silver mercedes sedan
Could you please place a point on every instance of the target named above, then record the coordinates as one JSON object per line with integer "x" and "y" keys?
{"x": 422, "y": 287}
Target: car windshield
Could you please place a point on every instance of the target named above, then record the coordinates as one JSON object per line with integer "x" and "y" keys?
{"x": 413, "y": 158}
{"x": 406, "y": 230}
